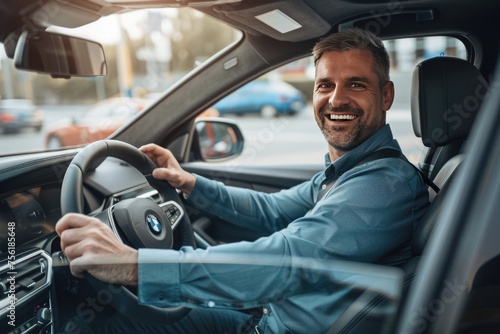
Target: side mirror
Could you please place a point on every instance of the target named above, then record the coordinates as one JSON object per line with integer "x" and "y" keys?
{"x": 59, "y": 55}
{"x": 217, "y": 139}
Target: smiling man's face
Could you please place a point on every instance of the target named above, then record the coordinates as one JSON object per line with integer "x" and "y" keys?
{"x": 349, "y": 101}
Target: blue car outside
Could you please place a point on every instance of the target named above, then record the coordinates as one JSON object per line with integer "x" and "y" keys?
{"x": 264, "y": 97}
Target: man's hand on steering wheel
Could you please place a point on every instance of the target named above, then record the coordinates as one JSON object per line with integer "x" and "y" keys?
{"x": 99, "y": 248}
{"x": 92, "y": 247}
{"x": 169, "y": 169}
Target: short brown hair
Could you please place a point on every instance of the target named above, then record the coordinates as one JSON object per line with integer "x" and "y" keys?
{"x": 357, "y": 39}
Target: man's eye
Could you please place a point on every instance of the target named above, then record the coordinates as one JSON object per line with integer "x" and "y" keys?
{"x": 357, "y": 85}
{"x": 325, "y": 86}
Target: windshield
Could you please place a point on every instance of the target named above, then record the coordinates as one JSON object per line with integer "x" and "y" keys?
{"x": 146, "y": 52}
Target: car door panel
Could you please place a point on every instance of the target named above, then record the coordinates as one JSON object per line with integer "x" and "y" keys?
{"x": 266, "y": 178}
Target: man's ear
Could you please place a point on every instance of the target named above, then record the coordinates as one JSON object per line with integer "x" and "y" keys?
{"x": 388, "y": 95}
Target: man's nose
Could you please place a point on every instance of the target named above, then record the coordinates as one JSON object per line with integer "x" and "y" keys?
{"x": 339, "y": 97}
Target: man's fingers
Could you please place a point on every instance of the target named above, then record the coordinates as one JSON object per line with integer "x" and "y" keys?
{"x": 108, "y": 268}
{"x": 76, "y": 268}
{"x": 75, "y": 247}
{"x": 73, "y": 220}
{"x": 154, "y": 151}
{"x": 68, "y": 237}
{"x": 90, "y": 263}
{"x": 69, "y": 228}
{"x": 161, "y": 156}
{"x": 169, "y": 175}
{"x": 91, "y": 246}
{"x": 162, "y": 173}
{"x": 77, "y": 230}
{"x": 149, "y": 148}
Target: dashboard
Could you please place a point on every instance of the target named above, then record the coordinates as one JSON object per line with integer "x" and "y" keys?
{"x": 30, "y": 196}
{"x": 33, "y": 212}
{"x": 34, "y": 209}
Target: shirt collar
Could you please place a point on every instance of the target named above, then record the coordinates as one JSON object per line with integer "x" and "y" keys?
{"x": 381, "y": 139}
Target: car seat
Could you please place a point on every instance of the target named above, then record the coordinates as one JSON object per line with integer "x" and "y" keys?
{"x": 446, "y": 94}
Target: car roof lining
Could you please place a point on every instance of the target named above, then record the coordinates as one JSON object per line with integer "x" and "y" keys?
{"x": 316, "y": 18}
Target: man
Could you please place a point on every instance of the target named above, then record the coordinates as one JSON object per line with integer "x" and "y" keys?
{"x": 360, "y": 212}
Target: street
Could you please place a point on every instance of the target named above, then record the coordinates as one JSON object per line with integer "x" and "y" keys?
{"x": 279, "y": 140}
{"x": 28, "y": 139}
{"x": 267, "y": 141}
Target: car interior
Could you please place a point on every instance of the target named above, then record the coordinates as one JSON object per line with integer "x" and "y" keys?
{"x": 448, "y": 99}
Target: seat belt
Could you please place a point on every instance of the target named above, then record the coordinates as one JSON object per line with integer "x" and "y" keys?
{"x": 381, "y": 154}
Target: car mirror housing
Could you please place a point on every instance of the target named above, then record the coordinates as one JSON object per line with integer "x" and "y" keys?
{"x": 217, "y": 139}
{"x": 59, "y": 55}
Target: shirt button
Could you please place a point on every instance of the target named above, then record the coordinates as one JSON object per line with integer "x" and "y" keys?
{"x": 265, "y": 311}
{"x": 323, "y": 187}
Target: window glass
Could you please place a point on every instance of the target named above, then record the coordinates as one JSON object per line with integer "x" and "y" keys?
{"x": 146, "y": 52}
{"x": 278, "y": 128}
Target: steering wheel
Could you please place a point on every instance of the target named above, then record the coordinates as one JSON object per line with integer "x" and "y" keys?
{"x": 139, "y": 222}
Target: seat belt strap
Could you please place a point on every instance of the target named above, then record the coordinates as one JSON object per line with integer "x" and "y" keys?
{"x": 381, "y": 154}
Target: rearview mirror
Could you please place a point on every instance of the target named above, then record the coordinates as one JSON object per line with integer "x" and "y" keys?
{"x": 218, "y": 140}
{"x": 59, "y": 55}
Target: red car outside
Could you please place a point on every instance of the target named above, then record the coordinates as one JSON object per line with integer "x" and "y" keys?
{"x": 98, "y": 122}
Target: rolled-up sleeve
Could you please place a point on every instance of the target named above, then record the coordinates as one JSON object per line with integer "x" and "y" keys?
{"x": 253, "y": 209}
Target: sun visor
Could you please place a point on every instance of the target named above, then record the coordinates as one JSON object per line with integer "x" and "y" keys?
{"x": 63, "y": 15}
{"x": 292, "y": 21}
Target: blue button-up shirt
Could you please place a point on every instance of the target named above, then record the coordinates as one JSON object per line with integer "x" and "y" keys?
{"x": 369, "y": 215}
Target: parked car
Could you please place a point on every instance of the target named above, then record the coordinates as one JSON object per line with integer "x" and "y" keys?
{"x": 450, "y": 284}
{"x": 18, "y": 114}
{"x": 96, "y": 123}
{"x": 269, "y": 98}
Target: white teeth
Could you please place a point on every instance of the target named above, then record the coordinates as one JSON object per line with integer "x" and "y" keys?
{"x": 342, "y": 117}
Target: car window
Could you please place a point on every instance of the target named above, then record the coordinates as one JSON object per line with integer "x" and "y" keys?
{"x": 290, "y": 135}
{"x": 147, "y": 51}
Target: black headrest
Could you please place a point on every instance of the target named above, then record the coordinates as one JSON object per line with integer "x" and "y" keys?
{"x": 446, "y": 95}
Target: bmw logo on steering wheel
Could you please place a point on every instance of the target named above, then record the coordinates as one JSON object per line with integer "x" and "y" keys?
{"x": 154, "y": 224}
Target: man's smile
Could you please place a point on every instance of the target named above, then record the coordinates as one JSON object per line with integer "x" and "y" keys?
{"x": 344, "y": 114}
{"x": 342, "y": 118}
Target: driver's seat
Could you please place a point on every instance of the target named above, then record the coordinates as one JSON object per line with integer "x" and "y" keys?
{"x": 442, "y": 116}
{"x": 439, "y": 86}
{"x": 446, "y": 95}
